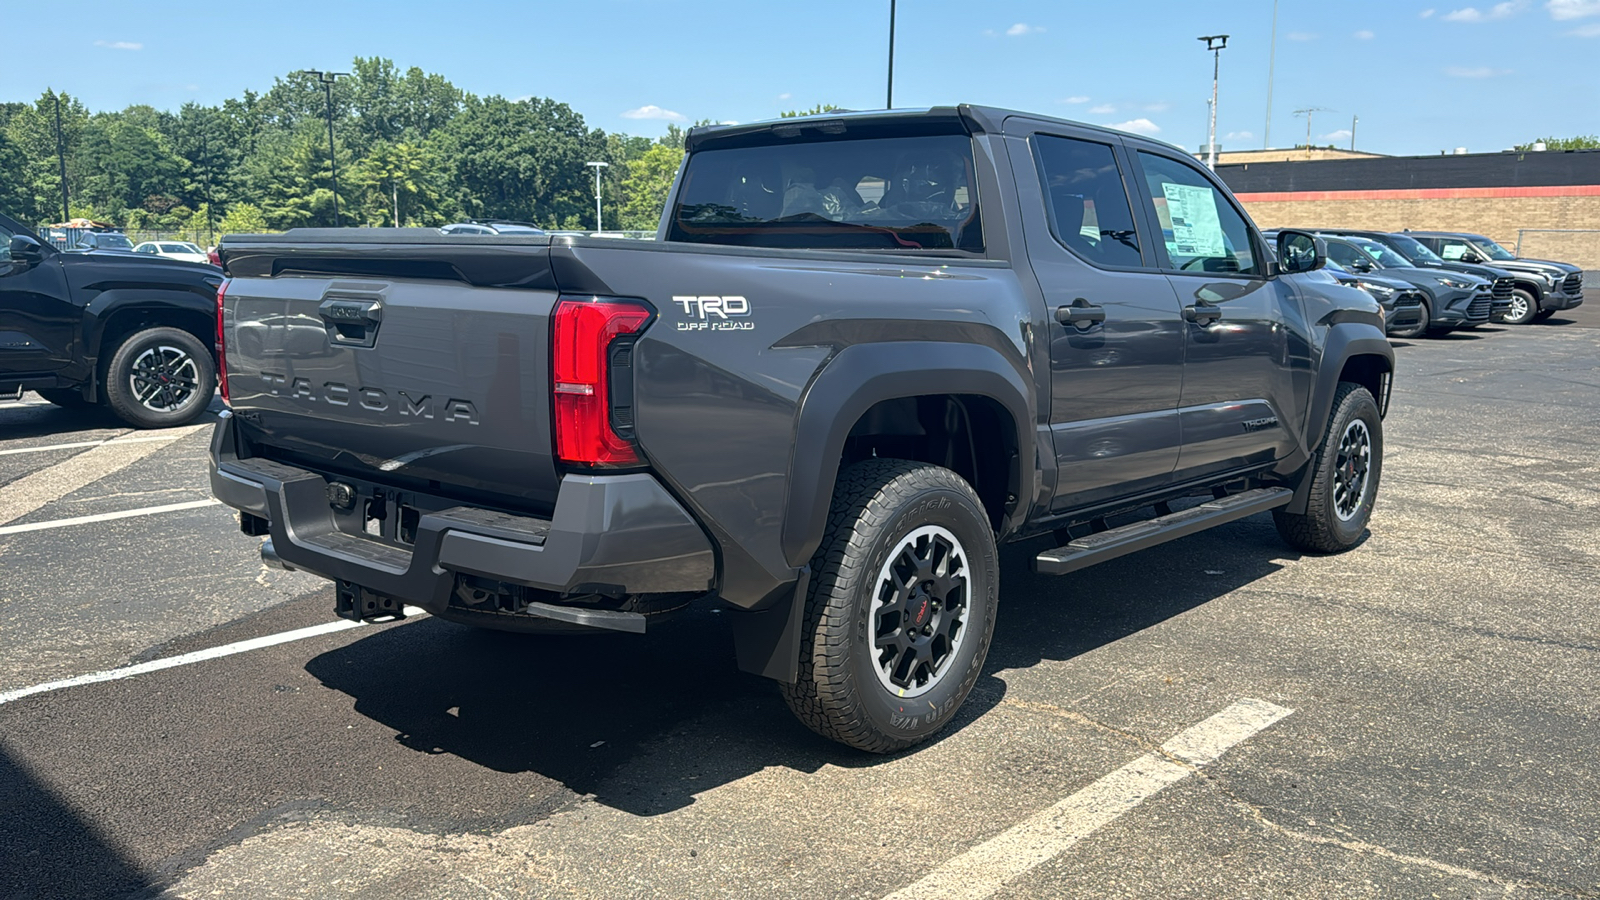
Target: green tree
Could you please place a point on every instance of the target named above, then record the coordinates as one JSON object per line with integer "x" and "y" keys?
{"x": 31, "y": 132}
{"x": 243, "y": 218}
{"x": 522, "y": 160}
{"x": 403, "y": 179}
{"x": 127, "y": 166}
{"x": 1579, "y": 142}
{"x": 648, "y": 182}
{"x": 817, "y": 110}
{"x": 289, "y": 179}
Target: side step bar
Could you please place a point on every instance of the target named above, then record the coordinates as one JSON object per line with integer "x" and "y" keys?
{"x": 1115, "y": 542}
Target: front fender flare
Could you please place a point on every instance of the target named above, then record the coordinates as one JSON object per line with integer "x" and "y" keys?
{"x": 862, "y": 375}
{"x": 1345, "y": 341}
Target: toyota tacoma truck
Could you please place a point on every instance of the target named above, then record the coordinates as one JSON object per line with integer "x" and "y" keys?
{"x": 1543, "y": 287}
{"x": 135, "y": 333}
{"x": 865, "y": 350}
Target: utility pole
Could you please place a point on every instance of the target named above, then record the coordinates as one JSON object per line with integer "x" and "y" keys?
{"x": 61, "y": 156}
{"x": 888, "y": 102}
{"x": 597, "y": 167}
{"x": 1308, "y": 112}
{"x": 1354, "y": 120}
{"x": 1215, "y": 43}
{"x": 327, "y": 79}
{"x": 1272, "y": 59}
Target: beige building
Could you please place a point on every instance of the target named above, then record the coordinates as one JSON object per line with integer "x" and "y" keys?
{"x": 1549, "y": 201}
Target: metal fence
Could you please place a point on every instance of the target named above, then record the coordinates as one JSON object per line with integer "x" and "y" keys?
{"x": 1579, "y": 246}
{"x": 67, "y": 238}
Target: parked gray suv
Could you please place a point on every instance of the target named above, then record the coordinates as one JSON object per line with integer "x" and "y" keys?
{"x": 1543, "y": 287}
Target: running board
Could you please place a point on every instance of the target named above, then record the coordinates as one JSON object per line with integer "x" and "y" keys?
{"x": 1115, "y": 542}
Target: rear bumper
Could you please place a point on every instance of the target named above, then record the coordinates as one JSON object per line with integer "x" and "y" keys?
{"x": 609, "y": 534}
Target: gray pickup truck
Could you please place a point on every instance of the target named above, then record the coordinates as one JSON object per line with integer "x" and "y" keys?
{"x": 865, "y": 349}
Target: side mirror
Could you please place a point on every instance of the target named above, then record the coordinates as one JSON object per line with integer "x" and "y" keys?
{"x": 1472, "y": 258}
{"x": 1301, "y": 251}
{"x": 26, "y": 250}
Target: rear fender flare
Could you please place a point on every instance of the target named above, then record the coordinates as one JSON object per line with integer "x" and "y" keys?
{"x": 862, "y": 375}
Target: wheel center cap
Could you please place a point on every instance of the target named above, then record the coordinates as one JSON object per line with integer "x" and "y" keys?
{"x": 919, "y": 610}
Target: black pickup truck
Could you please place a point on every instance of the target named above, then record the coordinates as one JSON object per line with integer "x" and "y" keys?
{"x": 865, "y": 349}
{"x": 134, "y": 332}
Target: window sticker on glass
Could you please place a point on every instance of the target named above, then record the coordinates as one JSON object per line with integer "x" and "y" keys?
{"x": 1196, "y": 227}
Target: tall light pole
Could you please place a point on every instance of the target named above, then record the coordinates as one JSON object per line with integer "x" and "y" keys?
{"x": 888, "y": 102}
{"x": 1354, "y": 121}
{"x": 61, "y": 156}
{"x": 597, "y": 167}
{"x": 1272, "y": 59}
{"x": 1216, "y": 43}
{"x": 327, "y": 79}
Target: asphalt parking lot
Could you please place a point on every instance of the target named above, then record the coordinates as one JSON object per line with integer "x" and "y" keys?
{"x": 1217, "y": 717}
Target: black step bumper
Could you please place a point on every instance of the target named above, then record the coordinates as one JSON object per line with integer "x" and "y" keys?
{"x": 608, "y": 534}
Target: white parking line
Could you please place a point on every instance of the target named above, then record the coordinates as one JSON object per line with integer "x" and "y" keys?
{"x": 51, "y": 483}
{"x": 988, "y": 867}
{"x": 185, "y": 659}
{"x": 106, "y": 517}
{"x": 77, "y": 444}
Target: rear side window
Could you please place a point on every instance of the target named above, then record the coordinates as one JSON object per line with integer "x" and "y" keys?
{"x": 1200, "y": 228}
{"x": 897, "y": 193}
{"x": 1088, "y": 206}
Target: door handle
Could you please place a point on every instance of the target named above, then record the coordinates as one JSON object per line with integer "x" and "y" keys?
{"x": 1081, "y": 314}
{"x": 1202, "y": 313}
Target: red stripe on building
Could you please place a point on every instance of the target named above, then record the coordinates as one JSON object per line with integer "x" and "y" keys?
{"x": 1494, "y": 193}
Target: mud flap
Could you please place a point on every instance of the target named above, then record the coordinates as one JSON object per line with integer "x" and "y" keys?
{"x": 767, "y": 641}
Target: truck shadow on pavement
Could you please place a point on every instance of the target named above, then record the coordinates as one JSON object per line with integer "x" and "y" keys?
{"x": 644, "y": 723}
{"x": 48, "y": 850}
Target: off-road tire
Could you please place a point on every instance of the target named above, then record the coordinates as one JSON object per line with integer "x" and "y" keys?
{"x": 66, "y": 398}
{"x": 1530, "y": 309}
{"x": 1421, "y": 328}
{"x": 877, "y": 505}
{"x": 1320, "y": 529}
{"x": 126, "y": 404}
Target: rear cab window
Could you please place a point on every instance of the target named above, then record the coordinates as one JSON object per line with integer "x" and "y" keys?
{"x": 832, "y": 191}
{"x": 1086, "y": 200}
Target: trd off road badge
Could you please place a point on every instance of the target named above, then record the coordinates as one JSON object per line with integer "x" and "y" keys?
{"x": 715, "y": 314}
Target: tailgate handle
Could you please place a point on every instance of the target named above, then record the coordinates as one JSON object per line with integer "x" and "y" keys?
{"x": 352, "y": 323}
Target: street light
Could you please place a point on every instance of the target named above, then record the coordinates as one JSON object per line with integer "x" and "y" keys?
{"x": 1215, "y": 43}
{"x": 597, "y": 167}
{"x": 327, "y": 79}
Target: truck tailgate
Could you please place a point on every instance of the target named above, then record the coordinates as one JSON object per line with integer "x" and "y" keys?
{"x": 435, "y": 382}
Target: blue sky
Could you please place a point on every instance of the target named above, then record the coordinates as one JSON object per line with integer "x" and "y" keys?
{"x": 1422, "y": 76}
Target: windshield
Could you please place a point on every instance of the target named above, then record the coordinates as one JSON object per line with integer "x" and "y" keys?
{"x": 1413, "y": 249}
{"x": 1494, "y": 250}
{"x": 1379, "y": 252}
{"x": 113, "y": 242}
{"x": 900, "y": 193}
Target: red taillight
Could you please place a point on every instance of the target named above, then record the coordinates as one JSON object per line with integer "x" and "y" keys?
{"x": 582, "y": 336}
{"x": 222, "y": 347}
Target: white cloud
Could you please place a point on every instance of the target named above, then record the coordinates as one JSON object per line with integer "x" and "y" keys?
{"x": 1475, "y": 72}
{"x": 1022, "y": 28}
{"x": 1301, "y": 36}
{"x": 1161, "y": 106}
{"x": 1104, "y": 109}
{"x": 1426, "y": 14}
{"x": 119, "y": 45}
{"x": 1342, "y": 134}
{"x": 1238, "y": 136}
{"x": 1364, "y": 35}
{"x": 1497, "y": 11}
{"x": 652, "y": 111}
{"x": 1566, "y": 10}
{"x": 1079, "y": 99}
{"x": 785, "y": 95}
{"x": 1138, "y": 126}
{"x": 1590, "y": 30}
